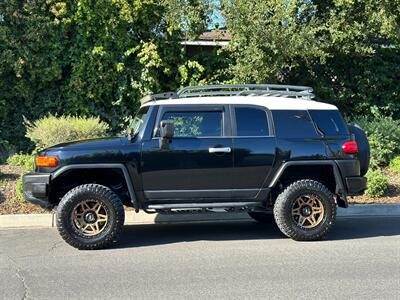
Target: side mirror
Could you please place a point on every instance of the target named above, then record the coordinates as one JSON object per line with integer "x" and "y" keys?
{"x": 167, "y": 129}
{"x": 166, "y": 133}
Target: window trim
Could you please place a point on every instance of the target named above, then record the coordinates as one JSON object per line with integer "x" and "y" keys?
{"x": 268, "y": 115}
{"x": 224, "y": 109}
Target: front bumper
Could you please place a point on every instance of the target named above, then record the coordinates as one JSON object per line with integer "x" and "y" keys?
{"x": 36, "y": 189}
{"x": 356, "y": 185}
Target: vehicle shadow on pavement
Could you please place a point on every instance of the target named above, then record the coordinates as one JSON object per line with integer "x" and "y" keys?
{"x": 159, "y": 234}
{"x": 364, "y": 227}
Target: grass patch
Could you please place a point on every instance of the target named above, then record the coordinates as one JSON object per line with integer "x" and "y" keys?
{"x": 22, "y": 160}
{"x": 395, "y": 165}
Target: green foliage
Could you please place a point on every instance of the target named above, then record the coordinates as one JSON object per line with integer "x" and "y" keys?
{"x": 22, "y": 160}
{"x": 395, "y": 165}
{"x": 89, "y": 57}
{"x": 5, "y": 150}
{"x": 19, "y": 190}
{"x": 347, "y": 50}
{"x": 377, "y": 183}
{"x": 98, "y": 57}
{"x": 52, "y": 130}
{"x": 383, "y": 136}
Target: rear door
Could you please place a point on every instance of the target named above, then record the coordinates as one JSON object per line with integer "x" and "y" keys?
{"x": 254, "y": 149}
{"x": 199, "y": 161}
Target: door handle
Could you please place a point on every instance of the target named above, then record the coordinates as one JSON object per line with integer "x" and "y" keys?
{"x": 220, "y": 150}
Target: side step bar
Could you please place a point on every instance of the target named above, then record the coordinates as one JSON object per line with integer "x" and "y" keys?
{"x": 202, "y": 205}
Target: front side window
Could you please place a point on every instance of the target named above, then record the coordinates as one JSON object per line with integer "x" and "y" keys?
{"x": 138, "y": 120}
{"x": 195, "y": 123}
{"x": 251, "y": 122}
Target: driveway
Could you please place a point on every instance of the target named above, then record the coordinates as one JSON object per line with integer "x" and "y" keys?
{"x": 360, "y": 258}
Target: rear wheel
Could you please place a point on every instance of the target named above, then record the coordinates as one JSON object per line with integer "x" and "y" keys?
{"x": 90, "y": 216}
{"x": 305, "y": 210}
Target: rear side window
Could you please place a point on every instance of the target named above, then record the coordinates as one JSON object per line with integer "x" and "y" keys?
{"x": 293, "y": 124}
{"x": 195, "y": 123}
{"x": 251, "y": 122}
{"x": 330, "y": 122}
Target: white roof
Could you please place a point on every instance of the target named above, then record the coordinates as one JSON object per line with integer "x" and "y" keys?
{"x": 272, "y": 103}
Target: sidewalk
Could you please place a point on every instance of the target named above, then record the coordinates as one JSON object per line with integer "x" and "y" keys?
{"x": 48, "y": 220}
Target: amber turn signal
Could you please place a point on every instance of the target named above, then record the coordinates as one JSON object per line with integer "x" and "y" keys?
{"x": 46, "y": 161}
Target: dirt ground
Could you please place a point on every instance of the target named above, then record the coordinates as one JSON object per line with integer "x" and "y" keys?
{"x": 9, "y": 203}
{"x": 392, "y": 194}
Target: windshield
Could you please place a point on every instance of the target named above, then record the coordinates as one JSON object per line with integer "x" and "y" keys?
{"x": 138, "y": 121}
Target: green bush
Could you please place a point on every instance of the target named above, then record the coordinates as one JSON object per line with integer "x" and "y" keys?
{"x": 395, "y": 165}
{"x": 22, "y": 160}
{"x": 19, "y": 191}
{"x": 377, "y": 183}
{"x": 52, "y": 130}
{"x": 5, "y": 150}
{"x": 384, "y": 138}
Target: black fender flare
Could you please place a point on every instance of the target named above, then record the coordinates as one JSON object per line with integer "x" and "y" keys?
{"x": 340, "y": 187}
{"x": 122, "y": 167}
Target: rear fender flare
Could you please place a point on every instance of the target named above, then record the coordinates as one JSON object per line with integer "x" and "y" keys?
{"x": 340, "y": 187}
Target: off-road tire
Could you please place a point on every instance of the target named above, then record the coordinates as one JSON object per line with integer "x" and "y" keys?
{"x": 262, "y": 217}
{"x": 283, "y": 210}
{"x": 108, "y": 199}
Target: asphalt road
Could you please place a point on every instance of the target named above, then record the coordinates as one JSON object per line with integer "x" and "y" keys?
{"x": 360, "y": 258}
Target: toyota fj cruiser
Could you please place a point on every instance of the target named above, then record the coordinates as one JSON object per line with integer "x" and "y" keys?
{"x": 269, "y": 150}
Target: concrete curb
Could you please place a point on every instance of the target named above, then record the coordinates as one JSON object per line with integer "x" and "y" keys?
{"x": 131, "y": 218}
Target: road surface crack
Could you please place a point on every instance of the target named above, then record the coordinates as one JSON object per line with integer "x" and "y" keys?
{"x": 21, "y": 277}
{"x": 55, "y": 245}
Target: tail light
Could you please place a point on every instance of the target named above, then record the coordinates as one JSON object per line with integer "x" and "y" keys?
{"x": 350, "y": 147}
{"x": 46, "y": 161}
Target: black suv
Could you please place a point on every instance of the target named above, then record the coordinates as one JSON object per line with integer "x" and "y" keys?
{"x": 269, "y": 150}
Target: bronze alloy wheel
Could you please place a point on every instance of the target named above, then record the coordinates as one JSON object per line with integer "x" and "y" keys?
{"x": 308, "y": 211}
{"x": 89, "y": 217}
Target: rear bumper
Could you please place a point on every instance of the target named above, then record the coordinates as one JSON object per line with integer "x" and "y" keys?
{"x": 356, "y": 185}
{"x": 350, "y": 172}
{"x": 36, "y": 189}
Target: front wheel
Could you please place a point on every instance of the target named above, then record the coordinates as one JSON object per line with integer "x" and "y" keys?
{"x": 90, "y": 217}
{"x": 305, "y": 210}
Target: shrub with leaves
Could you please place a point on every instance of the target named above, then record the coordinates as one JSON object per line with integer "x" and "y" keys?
{"x": 395, "y": 165}
{"x": 22, "y": 160}
{"x": 384, "y": 138}
{"x": 377, "y": 183}
{"x": 51, "y": 130}
{"x": 19, "y": 191}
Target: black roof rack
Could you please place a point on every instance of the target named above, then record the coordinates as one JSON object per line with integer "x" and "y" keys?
{"x": 276, "y": 90}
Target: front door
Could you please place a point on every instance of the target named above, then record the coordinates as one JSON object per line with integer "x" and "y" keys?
{"x": 198, "y": 163}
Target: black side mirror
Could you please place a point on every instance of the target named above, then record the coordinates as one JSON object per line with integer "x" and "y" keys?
{"x": 166, "y": 133}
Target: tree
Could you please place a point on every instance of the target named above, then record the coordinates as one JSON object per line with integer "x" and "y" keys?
{"x": 89, "y": 57}
{"x": 347, "y": 50}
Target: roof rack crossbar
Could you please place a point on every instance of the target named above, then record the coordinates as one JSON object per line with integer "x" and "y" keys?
{"x": 154, "y": 97}
{"x": 303, "y": 92}
{"x": 277, "y": 90}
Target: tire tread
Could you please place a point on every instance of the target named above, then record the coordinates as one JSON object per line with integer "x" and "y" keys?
{"x": 280, "y": 211}
{"x": 102, "y": 191}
